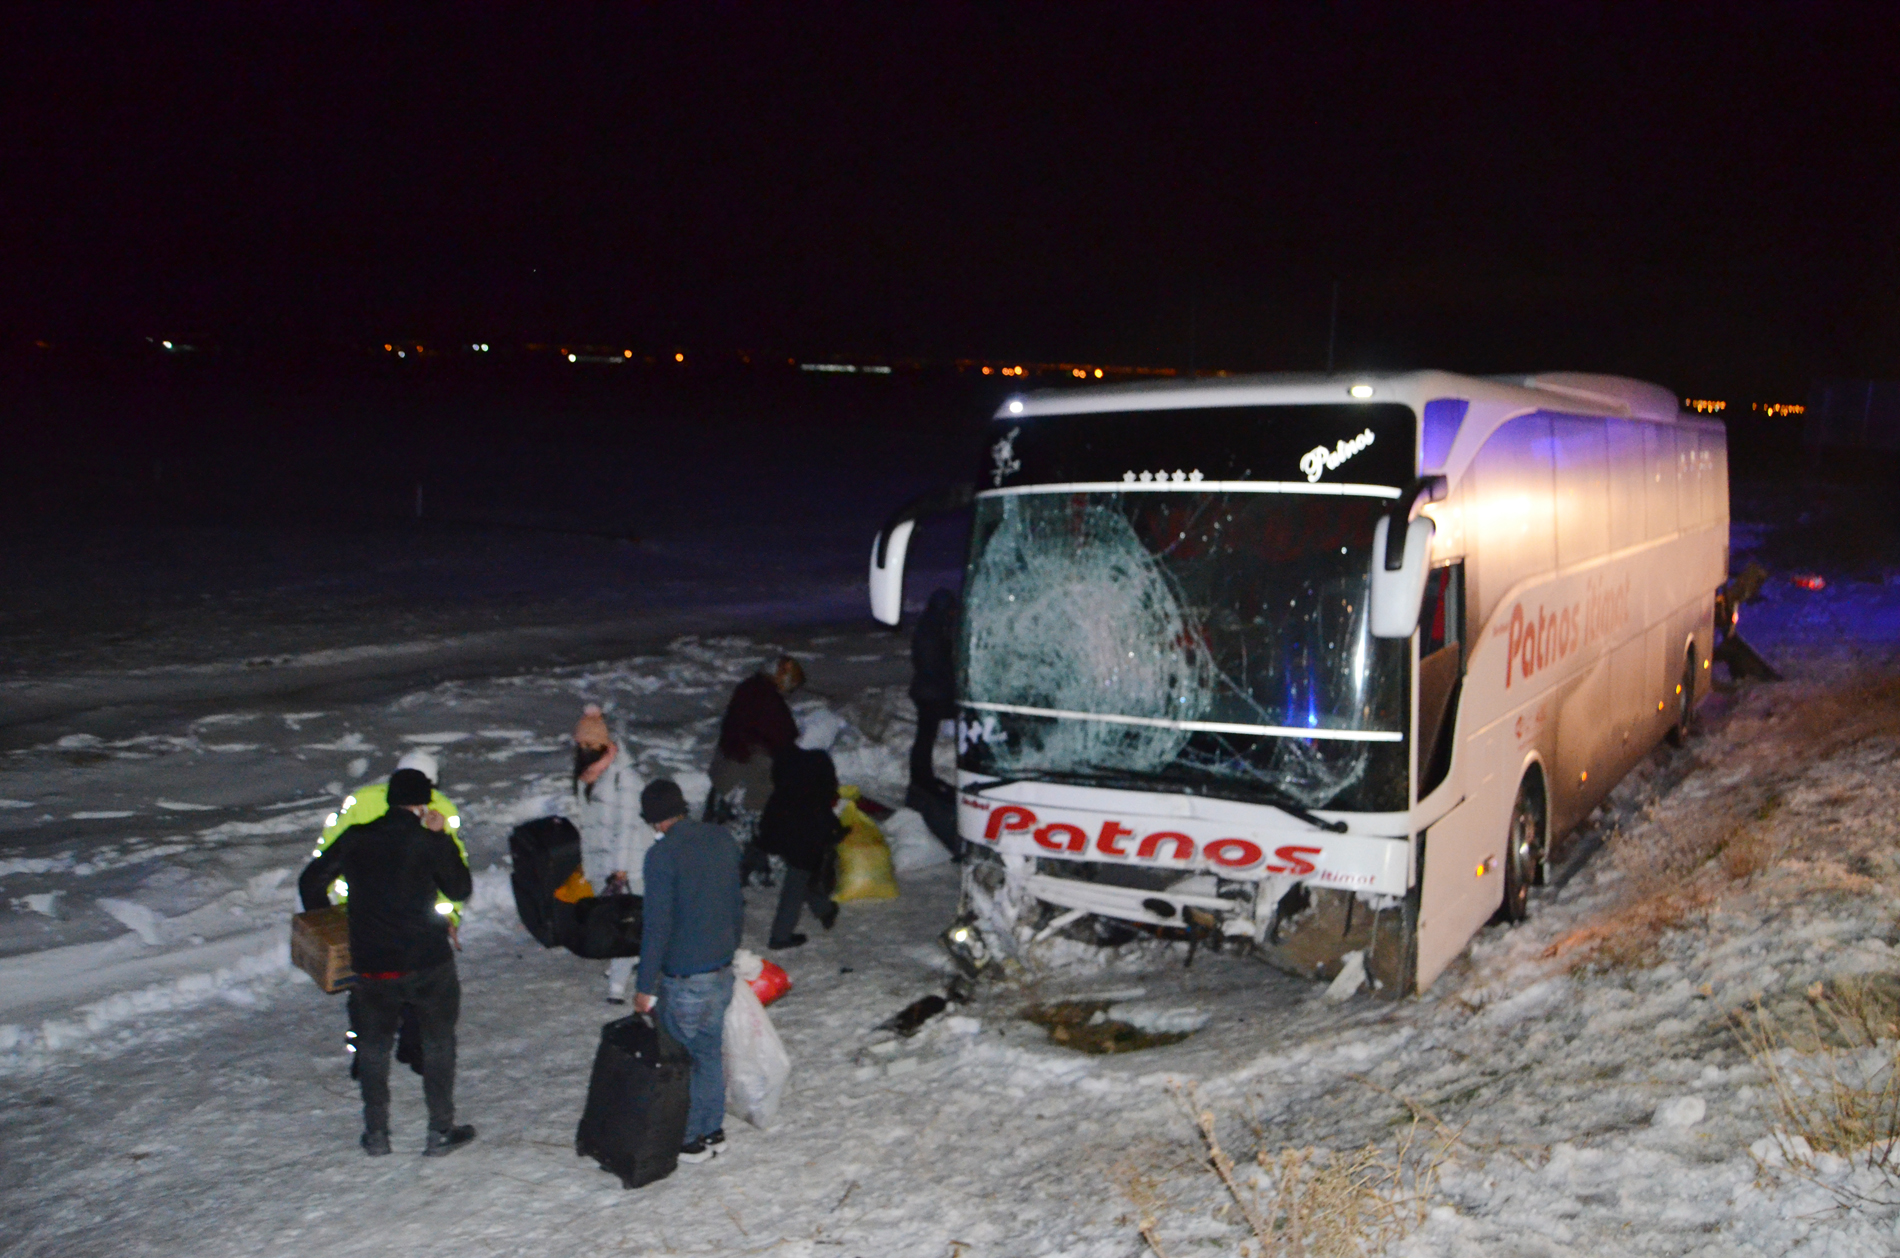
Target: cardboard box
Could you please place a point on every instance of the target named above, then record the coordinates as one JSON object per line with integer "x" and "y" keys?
{"x": 320, "y": 947}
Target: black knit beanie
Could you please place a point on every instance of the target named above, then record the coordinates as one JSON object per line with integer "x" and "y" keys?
{"x": 409, "y": 786}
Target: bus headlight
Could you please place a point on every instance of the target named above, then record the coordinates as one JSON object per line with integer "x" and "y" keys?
{"x": 965, "y": 943}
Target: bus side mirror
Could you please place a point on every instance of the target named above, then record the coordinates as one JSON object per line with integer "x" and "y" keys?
{"x": 887, "y": 572}
{"x": 1398, "y": 592}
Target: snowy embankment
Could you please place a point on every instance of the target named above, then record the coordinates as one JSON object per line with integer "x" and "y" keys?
{"x": 1576, "y": 1083}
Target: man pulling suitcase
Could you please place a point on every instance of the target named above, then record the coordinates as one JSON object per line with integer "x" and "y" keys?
{"x": 694, "y": 915}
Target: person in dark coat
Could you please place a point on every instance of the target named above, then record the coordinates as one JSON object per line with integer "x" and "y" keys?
{"x": 933, "y": 683}
{"x": 399, "y": 948}
{"x": 758, "y": 724}
{"x": 800, "y": 827}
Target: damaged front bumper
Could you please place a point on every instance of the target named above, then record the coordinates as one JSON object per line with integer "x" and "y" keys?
{"x": 1185, "y": 862}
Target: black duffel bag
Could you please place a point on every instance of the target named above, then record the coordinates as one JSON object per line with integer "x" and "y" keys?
{"x": 546, "y": 851}
{"x": 606, "y": 926}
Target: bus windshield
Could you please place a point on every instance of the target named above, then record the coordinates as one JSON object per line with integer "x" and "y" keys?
{"x": 1207, "y": 640}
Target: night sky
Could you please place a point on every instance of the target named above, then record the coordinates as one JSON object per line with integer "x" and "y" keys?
{"x": 1703, "y": 195}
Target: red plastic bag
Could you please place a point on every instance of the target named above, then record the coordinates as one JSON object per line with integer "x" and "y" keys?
{"x": 771, "y": 983}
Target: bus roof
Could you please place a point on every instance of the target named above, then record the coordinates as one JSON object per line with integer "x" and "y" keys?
{"x": 1577, "y": 392}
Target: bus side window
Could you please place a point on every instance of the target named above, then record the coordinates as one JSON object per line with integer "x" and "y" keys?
{"x": 1440, "y": 672}
{"x": 1441, "y": 618}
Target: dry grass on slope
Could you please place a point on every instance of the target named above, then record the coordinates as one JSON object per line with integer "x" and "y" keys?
{"x": 1688, "y": 850}
{"x": 1833, "y": 1067}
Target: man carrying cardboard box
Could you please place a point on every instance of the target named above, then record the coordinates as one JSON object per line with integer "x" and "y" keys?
{"x": 399, "y": 947}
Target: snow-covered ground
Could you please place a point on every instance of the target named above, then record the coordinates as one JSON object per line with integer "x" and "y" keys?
{"x": 171, "y": 1087}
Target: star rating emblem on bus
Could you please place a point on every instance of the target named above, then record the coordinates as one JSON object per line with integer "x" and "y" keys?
{"x": 1147, "y": 478}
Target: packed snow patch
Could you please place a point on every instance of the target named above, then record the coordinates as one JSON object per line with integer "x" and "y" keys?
{"x": 1156, "y": 1016}
{"x": 1681, "y": 1111}
{"x": 142, "y": 921}
{"x": 913, "y": 846}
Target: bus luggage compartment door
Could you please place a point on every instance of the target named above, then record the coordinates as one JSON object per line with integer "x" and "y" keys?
{"x": 1463, "y": 885}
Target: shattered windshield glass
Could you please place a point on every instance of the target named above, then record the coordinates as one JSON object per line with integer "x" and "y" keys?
{"x": 1213, "y": 639}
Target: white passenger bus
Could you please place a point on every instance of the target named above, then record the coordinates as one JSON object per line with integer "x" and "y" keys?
{"x": 1322, "y": 664}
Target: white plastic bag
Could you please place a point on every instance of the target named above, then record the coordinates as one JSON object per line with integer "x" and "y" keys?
{"x": 756, "y": 1063}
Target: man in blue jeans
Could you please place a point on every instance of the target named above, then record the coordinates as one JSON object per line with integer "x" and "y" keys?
{"x": 693, "y": 914}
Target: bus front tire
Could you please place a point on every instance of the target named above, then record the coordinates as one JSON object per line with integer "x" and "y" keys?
{"x": 1525, "y": 848}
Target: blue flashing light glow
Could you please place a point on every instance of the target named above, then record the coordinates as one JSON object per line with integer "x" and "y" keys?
{"x": 1441, "y": 420}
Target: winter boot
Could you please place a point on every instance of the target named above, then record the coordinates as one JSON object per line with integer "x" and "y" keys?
{"x": 444, "y": 1141}
{"x": 376, "y": 1143}
{"x": 791, "y": 942}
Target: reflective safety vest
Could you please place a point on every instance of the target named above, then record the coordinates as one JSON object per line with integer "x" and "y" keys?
{"x": 372, "y": 801}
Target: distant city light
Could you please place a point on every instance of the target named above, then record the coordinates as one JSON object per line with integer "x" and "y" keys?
{"x": 626, "y": 353}
{"x": 402, "y": 353}
{"x": 1361, "y": 390}
{"x": 679, "y": 358}
{"x": 986, "y": 371}
{"x": 1777, "y": 408}
{"x": 1098, "y": 373}
{"x": 573, "y": 358}
{"x": 166, "y": 344}
{"x": 1078, "y": 373}
{"x": 388, "y": 348}
{"x": 1703, "y": 406}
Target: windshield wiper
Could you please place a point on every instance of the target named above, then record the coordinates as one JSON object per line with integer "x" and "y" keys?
{"x": 1299, "y": 812}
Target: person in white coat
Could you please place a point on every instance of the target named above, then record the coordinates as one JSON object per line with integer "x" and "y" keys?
{"x": 606, "y": 809}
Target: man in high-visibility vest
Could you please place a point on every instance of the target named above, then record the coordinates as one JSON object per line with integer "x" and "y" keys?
{"x": 366, "y": 804}
{"x": 371, "y": 801}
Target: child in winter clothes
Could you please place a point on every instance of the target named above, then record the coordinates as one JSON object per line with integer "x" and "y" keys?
{"x": 606, "y": 809}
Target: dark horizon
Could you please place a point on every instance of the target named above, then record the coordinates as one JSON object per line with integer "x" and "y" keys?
{"x": 1704, "y": 199}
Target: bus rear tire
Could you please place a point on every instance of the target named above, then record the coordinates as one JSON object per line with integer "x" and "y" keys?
{"x": 1524, "y": 853}
{"x": 1685, "y": 703}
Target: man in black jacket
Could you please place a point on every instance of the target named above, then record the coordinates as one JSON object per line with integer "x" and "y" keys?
{"x": 399, "y": 948}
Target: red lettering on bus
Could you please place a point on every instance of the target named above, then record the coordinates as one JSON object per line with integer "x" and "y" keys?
{"x": 1012, "y": 818}
{"x": 1063, "y": 837}
{"x": 1234, "y": 853}
{"x": 1182, "y": 845}
{"x": 1295, "y": 862}
{"x": 1105, "y": 842}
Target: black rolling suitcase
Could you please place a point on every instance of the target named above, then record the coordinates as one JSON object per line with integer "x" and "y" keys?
{"x": 635, "y": 1120}
{"x": 545, "y": 852}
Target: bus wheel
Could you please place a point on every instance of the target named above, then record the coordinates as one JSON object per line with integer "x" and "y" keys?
{"x": 1526, "y": 852}
{"x": 1685, "y": 703}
